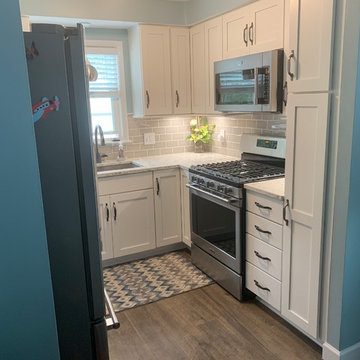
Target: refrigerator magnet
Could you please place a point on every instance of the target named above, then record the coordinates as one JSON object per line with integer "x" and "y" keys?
{"x": 42, "y": 108}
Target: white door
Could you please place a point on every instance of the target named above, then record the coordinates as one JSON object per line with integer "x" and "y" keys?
{"x": 167, "y": 207}
{"x": 107, "y": 251}
{"x": 180, "y": 70}
{"x": 213, "y": 52}
{"x": 155, "y": 45}
{"x": 304, "y": 190}
{"x": 310, "y": 40}
{"x": 236, "y": 40}
{"x": 132, "y": 216}
{"x": 198, "y": 83}
{"x": 185, "y": 208}
{"x": 266, "y": 25}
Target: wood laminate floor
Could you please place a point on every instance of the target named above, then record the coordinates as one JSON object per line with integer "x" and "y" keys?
{"x": 205, "y": 324}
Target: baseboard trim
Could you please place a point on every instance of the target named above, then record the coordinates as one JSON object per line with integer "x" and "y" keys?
{"x": 144, "y": 254}
{"x": 350, "y": 353}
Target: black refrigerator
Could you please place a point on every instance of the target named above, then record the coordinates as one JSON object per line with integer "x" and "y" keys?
{"x": 59, "y": 93}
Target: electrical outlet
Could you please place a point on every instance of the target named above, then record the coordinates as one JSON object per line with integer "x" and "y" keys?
{"x": 149, "y": 138}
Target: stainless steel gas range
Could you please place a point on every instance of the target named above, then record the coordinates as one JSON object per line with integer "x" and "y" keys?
{"x": 217, "y": 209}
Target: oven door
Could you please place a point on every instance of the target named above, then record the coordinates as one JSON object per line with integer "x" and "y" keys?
{"x": 217, "y": 227}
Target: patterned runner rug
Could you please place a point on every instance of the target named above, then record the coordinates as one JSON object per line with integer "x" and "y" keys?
{"x": 145, "y": 281}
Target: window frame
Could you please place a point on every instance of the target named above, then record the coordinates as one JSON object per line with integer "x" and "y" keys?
{"x": 120, "y": 114}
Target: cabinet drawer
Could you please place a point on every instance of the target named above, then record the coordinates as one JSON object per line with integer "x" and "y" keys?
{"x": 273, "y": 293}
{"x": 256, "y": 249}
{"x": 124, "y": 183}
{"x": 259, "y": 227}
{"x": 264, "y": 206}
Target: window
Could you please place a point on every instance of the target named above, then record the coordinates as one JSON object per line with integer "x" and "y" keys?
{"x": 107, "y": 93}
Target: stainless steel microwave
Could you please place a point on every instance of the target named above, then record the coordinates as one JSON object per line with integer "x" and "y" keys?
{"x": 252, "y": 83}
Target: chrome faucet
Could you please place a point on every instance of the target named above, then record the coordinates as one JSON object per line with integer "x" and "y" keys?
{"x": 99, "y": 130}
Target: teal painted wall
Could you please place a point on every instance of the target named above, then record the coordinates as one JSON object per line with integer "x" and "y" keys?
{"x": 149, "y": 11}
{"x": 350, "y": 319}
{"x": 199, "y": 10}
{"x": 117, "y": 35}
{"x": 28, "y": 328}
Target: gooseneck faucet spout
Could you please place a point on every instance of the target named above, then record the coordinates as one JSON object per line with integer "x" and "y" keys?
{"x": 99, "y": 130}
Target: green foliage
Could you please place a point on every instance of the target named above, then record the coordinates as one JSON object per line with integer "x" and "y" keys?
{"x": 202, "y": 133}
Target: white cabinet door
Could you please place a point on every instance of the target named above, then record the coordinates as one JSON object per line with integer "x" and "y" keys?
{"x": 167, "y": 207}
{"x": 107, "y": 251}
{"x": 198, "y": 83}
{"x": 185, "y": 208}
{"x": 155, "y": 45}
{"x": 180, "y": 69}
{"x": 310, "y": 40}
{"x": 132, "y": 216}
{"x": 213, "y": 52}
{"x": 266, "y": 25}
{"x": 304, "y": 190}
{"x": 236, "y": 40}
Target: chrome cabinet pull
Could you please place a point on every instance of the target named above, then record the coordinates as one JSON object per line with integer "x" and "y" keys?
{"x": 246, "y": 35}
{"x": 157, "y": 186}
{"x": 107, "y": 212}
{"x": 262, "y": 206}
{"x": 177, "y": 99}
{"x": 285, "y": 93}
{"x": 262, "y": 231}
{"x": 284, "y": 213}
{"x": 291, "y": 56}
{"x": 261, "y": 257}
{"x": 147, "y": 99}
{"x": 115, "y": 211}
{"x": 261, "y": 287}
{"x": 251, "y": 33}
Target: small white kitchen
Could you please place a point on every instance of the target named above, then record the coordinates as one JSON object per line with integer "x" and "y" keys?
{"x": 216, "y": 135}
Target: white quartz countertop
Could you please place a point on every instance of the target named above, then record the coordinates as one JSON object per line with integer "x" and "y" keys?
{"x": 183, "y": 160}
{"x": 274, "y": 188}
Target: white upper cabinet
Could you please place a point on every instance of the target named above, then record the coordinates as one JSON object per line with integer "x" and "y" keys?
{"x": 25, "y": 23}
{"x": 213, "y": 52}
{"x": 304, "y": 193}
{"x": 310, "y": 39}
{"x": 180, "y": 70}
{"x": 198, "y": 83}
{"x": 150, "y": 70}
{"x": 266, "y": 30}
{"x": 236, "y": 33}
{"x": 254, "y": 28}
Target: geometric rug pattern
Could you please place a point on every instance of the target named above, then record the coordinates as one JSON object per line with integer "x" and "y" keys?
{"x": 144, "y": 281}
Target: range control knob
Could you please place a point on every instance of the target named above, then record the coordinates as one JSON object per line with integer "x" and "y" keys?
{"x": 201, "y": 181}
{"x": 228, "y": 191}
{"x": 210, "y": 184}
{"x": 193, "y": 179}
{"x": 220, "y": 188}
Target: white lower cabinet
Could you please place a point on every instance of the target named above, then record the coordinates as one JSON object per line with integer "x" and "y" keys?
{"x": 185, "y": 208}
{"x": 167, "y": 207}
{"x": 264, "y": 247}
{"x": 107, "y": 250}
{"x": 133, "y": 222}
{"x": 304, "y": 193}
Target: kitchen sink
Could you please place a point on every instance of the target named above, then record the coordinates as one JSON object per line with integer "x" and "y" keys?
{"x": 113, "y": 167}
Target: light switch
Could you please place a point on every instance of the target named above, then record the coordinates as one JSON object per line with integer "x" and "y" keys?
{"x": 149, "y": 138}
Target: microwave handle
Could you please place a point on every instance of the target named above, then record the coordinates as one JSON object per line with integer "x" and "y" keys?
{"x": 256, "y": 102}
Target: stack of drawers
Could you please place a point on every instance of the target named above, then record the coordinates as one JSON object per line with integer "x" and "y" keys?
{"x": 264, "y": 247}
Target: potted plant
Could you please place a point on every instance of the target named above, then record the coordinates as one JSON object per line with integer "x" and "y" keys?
{"x": 201, "y": 133}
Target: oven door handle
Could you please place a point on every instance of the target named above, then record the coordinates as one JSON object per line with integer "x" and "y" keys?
{"x": 227, "y": 201}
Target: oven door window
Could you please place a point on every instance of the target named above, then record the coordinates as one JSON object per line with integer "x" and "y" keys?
{"x": 214, "y": 223}
{"x": 236, "y": 87}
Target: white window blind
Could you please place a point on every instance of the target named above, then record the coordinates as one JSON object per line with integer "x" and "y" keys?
{"x": 107, "y": 67}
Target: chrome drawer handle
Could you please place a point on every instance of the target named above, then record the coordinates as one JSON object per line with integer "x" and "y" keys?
{"x": 107, "y": 212}
{"x": 262, "y": 231}
{"x": 261, "y": 257}
{"x": 261, "y": 287}
{"x": 262, "y": 206}
{"x": 291, "y": 56}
